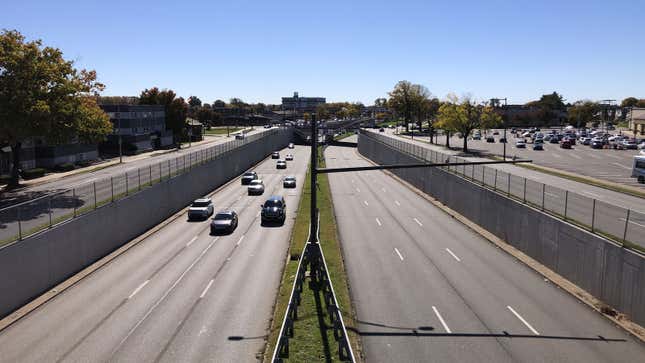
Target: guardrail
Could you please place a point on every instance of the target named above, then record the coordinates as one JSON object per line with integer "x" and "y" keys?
{"x": 624, "y": 226}
{"x": 312, "y": 256}
{"x": 25, "y": 219}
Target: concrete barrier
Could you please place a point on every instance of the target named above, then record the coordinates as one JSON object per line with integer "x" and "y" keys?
{"x": 32, "y": 266}
{"x": 610, "y": 273}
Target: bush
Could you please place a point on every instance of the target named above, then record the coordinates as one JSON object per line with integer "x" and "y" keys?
{"x": 65, "y": 167}
{"x": 4, "y": 179}
{"x": 84, "y": 163}
{"x": 33, "y": 173}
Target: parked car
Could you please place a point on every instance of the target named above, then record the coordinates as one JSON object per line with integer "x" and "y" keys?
{"x": 477, "y": 136}
{"x": 502, "y": 140}
{"x": 256, "y": 187}
{"x": 200, "y": 209}
{"x": 291, "y": 146}
{"x": 274, "y": 209}
{"x": 224, "y": 221}
{"x": 239, "y": 136}
{"x": 289, "y": 182}
{"x": 520, "y": 144}
{"x": 585, "y": 141}
{"x": 630, "y": 144}
{"x": 538, "y": 146}
{"x": 571, "y": 140}
{"x": 554, "y": 140}
{"x": 548, "y": 137}
{"x": 381, "y": 130}
{"x": 641, "y": 146}
{"x": 281, "y": 164}
{"x": 288, "y": 157}
{"x": 248, "y": 176}
{"x": 495, "y": 132}
{"x": 597, "y": 144}
{"x": 565, "y": 144}
{"x": 275, "y": 155}
{"x": 490, "y": 139}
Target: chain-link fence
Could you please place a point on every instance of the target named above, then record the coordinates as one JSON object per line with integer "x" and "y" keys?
{"x": 27, "y": 218}
{"x": 622, "y": 225}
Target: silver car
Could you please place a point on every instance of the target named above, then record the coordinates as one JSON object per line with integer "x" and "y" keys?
{"x": 200, "y": 209}
{"x": 224, "y": 221}
{"x": 256, "y": 187}
{"x": 281, "y": 164}
{"x": 289, "y": 182}
{"x": 288, "y": 157}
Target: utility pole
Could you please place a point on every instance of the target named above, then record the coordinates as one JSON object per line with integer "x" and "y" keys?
{"x": 118, "y": 109}
{"x": 313, "y": 227}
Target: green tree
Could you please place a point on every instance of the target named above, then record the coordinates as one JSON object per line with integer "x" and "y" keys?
{"x": 380, "y": 102}
{"x": 629, "y": 102}
{"x": 466, "y": 116}
{"x": 194, "y": 101}
{"x": 175, "y": 107}
{"x": 402, "y": 101}
{"x": 582, "y": 112}
{"x": 322, "y": 112}
{"x": 42, "y": 94}
{"x": 219, "y": 104}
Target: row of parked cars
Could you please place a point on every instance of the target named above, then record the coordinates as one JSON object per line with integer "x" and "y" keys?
{"x": 274, "y": 209}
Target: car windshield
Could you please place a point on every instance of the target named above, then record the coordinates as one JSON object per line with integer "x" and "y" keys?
{"x": 249, "y": 174}
{"x": 201, "y": 204}
{"x": 256, "y": 182}
{"x": 290, "y": 178}
{"x": 272, "y": 203}
{"x": 223, "y": 216}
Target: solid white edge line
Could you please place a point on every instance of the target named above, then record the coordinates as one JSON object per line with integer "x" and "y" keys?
{"x": 445, "y": 326}
{"x": 419, "y": 223}
{"x": 378, "y": 222}
{"x": 398, "y": 253}
{"x": 138, "y": 289}
{"x": 522, "y": 320}
{"x": 453, "y": 255}
{"x": 206, "y": 289}
{"x": 191, "y": 241}
{"x": 240, "y": 240}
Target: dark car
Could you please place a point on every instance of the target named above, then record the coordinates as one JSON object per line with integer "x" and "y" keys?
{"x": 274, "y": 210}
{"x": 538, "y": 146}
{"x": 490, "y": 139}
{"x": 502, "y": 140}
{"x": 554, "y": 140}
{"x": 495, "y": 132}
{"x": 381, "y": 130}
{"x": 596, "y": 144}
{"x": 565, "y": 144}
{"x": 572, "y": 140}
{"x": 289, "y": 182}
{"x": 224, "y": 221}
{"x": 248, "y": 176}
{"x": 275, "y": 155}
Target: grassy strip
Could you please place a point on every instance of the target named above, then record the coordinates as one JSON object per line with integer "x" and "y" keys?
{"x": 222, "y": 130}
{"x": 313, "y": 339}
{"x": 343, "y": 136}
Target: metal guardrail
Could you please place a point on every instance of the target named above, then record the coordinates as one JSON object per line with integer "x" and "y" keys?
{"x": 27, "y": 218}
{"x": 312, "y": 256}
{"x": 622, "y": 225}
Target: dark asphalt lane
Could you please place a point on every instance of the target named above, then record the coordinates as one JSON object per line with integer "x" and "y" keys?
{"x": 179, "y": 295}
{"x": 426, "y": 288}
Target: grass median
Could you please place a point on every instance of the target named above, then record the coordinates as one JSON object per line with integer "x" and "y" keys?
{"x": 313, "y": 338}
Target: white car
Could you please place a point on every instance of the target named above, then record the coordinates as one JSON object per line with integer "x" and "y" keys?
{"x": 288, "y": 157}
{"x": 520, "y": 144}
{"x": 281, "y": 164}
{"x": 256, "y": 187}
{"x": 291, "y": 146}
{"x": 641, "y": 146}
{"x": 200, "y": 209}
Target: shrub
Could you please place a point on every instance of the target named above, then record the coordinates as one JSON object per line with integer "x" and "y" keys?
{"x": 64, "y": 167}
{"x": 33, "y": 173}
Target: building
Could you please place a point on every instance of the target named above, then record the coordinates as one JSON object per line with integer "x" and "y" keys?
{"x": 141, "y": 128}
{"x": 301, "y": 104}
{"x": 195, "y": 129}
{"x": 636, "y": 118}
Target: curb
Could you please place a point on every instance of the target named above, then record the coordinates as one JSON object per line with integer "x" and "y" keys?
{"x": 572, "y": 289}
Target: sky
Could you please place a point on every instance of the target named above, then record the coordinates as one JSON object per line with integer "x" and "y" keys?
{"x": 260, "y": 51}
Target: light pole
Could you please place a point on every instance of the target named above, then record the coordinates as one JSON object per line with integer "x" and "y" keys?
{"x": 313, "y": 236}
{"x": 119, "y": 131}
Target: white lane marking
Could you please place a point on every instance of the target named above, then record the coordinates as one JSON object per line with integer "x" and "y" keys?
{"x": 552, "y": 195}
{"x": 555, "y": 155}
{"x": 397, "y": 203}
{"x": 366, "y": 203}
{"x": 453, "y": 255}
{"x": 240, "y": 240}
{"x": 622, "y": 166}
{"x": 206, "y": 289}
{"x": 592, "y": 194}
{"x": 138, "y": 289}
{"x": 594, "y": 156}
{"x": 358, "y": 190}
{"x": 191, "y": 241}
{"x": 575, "y": 156}
{"x": 419, "y": 223}
{"x": 398, "y": 253}
{"x": 443, "y": 322}
{"x": 378, "y": 222}
{"x": 523, "y": 321}
{"x": 636, "y": 223}
{"x": 162, "y": 298}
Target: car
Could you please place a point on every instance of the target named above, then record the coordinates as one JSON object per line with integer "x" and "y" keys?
{"x": 291, "y": 146}
{"x": 502, "y": 140}
{"x": 596, "y": 144}
{"x": 554, "y": 140}
{"x": 641, "y": 146}
{"x": 274, "y": 209}
{"x": 565, "y": 144}
{"x": 520, "y": 144}
{"x": 289, "y": 182}
{"x": 239, "y": 137}
{"x": 571, "y": 140}
{"x": 538, "y": 146}
{"x": 275, "y": 155}
{"x": 548, "y": 137}
{"x": 200, "y": 209}
{"x": 630, "y": 144}
{"x": 381, "y": 130}
{"x": 490, "y": 139}
{"x": 267, "y": 126}
{"x": 526, "y": 134}
{"x": 288, "y": 157}
{"x": 248, "y": 176}
{"x": 281, "y": 164}
{"x": 256, "y": 187}
{"x": 495, "y": 132}
{"x": 224, "y": 221}
{"x": 585, "y": 141}
{"x": 477, "y": 136}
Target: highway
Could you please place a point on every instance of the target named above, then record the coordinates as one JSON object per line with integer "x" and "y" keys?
{"x": 179, "y": 295}
{"x": 426, "y": 288}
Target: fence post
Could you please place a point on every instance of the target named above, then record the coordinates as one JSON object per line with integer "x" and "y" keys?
{"x": 139, "y": 177}
{"x": 112, "y": 187}
{"x": 150, "y": 180}
{"x": 543, "y": 193}
{"x": 50, "y": 211}
{"x": 94, "y": 186}
{"x": 160, "y": 174}
{"x": 626, "y": 224}
{"x": 19, "y": 223}
{"x": 508, "y": 185}
{"x": 495, "y": 182}
{"x": 169, "y": 173}
{"x": 593, "y": 215}
{"x": 126, "y": 183}
{"x": 524, "y": 190}
{"x": 483, "y": 175}
{"x": 74, "y": 197}
{"x": 472, "y": 177}
{"x": 566, "y": 203}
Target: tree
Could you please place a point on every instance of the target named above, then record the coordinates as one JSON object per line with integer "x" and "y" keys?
{"x": 582, "y": 112}
{"x": 322, "y": 112}
{"x": 380, "y": 102}
{"x": 175, "y": 108}
{"x": 194, "y": 101}
{"x": 219, "y": 104}
{"x": 466, "y": 116}
{"x": 42, "y": 94}
{"x": 402, "y": 101}
{"x": 629, "y": 102}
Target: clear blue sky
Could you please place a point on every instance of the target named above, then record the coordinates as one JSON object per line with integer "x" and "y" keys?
{"x": 348, "y": 50}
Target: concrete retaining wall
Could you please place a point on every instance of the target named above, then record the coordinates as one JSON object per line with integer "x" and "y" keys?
{"x": 612, "y": 274}
{"x": 32, "y": 266}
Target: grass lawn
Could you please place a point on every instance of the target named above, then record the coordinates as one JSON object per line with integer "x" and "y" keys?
{"x": 222, "y": 130}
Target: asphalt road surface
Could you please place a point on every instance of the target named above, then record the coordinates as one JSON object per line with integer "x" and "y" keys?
{"x": 180, "y": 295}
{"x": 426, "y": 288}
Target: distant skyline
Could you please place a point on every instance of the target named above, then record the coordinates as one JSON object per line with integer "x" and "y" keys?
{"x": 261, "y": 51}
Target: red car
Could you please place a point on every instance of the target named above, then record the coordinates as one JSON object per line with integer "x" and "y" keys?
{"x": 565, "y": 144}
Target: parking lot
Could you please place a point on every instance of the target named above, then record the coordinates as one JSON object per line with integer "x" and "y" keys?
{"x": 606, "y": 164}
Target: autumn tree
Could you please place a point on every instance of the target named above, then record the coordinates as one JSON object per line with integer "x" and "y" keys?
{"x": 42, "y": 94}
{"x": 465, "y": 116}
{"x": 582, "y": 112}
